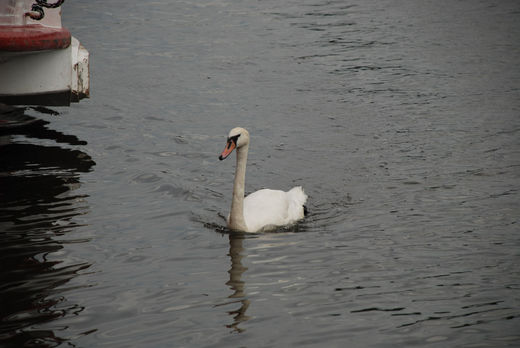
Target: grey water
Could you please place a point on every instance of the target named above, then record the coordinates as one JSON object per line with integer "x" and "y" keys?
{"x": 401, "y": 120}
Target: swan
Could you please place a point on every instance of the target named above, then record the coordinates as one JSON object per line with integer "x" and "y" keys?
{"x": 264, "y": 209}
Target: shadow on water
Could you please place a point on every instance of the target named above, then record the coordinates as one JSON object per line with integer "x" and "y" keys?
{"x": 37, "y": 207}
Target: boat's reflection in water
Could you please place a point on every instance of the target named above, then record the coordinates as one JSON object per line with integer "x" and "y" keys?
{"x": 38, "y": 207}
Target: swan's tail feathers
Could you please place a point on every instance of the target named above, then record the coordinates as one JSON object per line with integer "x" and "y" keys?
{"x": 297, "y": 202}
{"x": 298, "y": 195}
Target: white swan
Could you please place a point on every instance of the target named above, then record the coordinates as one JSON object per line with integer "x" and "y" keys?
{"x": 264, "y": 209}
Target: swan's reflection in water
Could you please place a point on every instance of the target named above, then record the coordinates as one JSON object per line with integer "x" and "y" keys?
{"x": 235, "y": 281}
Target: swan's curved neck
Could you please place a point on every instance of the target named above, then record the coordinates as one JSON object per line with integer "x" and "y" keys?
{"x": 236, "y": 217}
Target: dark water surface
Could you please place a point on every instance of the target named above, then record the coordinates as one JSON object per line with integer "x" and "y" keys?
{"x": 401, "y": 119}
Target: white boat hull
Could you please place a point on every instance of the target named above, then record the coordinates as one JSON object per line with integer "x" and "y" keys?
{"x": 49, "y": 74}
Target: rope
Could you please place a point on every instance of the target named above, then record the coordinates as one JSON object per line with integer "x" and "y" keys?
{"x": 37, "y": 11}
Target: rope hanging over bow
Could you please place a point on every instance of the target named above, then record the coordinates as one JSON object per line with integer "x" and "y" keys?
{"x": 37, "y": 11}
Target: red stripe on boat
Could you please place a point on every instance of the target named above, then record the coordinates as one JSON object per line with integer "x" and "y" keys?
{"x": 32, "y": 38}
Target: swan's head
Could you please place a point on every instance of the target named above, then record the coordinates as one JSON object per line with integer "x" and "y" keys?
{"x": 237, "y": 138}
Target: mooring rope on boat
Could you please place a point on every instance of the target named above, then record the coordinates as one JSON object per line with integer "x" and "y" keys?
{"x": 37, "y": 11}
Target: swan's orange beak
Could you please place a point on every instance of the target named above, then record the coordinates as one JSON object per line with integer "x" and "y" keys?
{"x": 230, "y": 146}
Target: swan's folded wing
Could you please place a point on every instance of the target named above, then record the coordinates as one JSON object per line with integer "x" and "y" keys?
{"x": 266, "y": 208}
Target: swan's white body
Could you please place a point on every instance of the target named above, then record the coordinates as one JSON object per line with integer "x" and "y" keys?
{"x": 264, "y": 209}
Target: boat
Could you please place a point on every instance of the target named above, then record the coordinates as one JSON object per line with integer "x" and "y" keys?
{"x": 41, "y": 63}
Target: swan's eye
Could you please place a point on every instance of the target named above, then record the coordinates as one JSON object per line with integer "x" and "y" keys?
{"x": 233, "y": 139}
